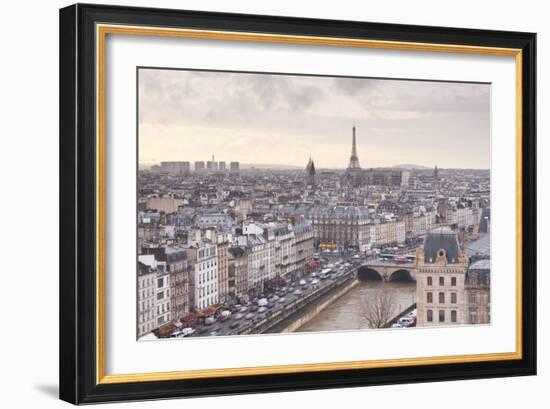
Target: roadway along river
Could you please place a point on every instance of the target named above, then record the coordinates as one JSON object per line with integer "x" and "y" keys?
{"x": 346, "y": 313}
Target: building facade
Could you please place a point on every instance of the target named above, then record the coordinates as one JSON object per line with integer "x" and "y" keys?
{"x": 345, "y": 226}
{"x": 440, "y": 279}
{"x": 223, "y": 271}
{"x": 146, "y": 295}
{"x": 478, "y": 292}
{"x": 203, "y": 261}
{"x": 238, "y": 273}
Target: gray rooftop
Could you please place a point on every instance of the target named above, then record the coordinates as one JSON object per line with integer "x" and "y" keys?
{"x": 441, "y": 239}
{"x": 479, "y": 247}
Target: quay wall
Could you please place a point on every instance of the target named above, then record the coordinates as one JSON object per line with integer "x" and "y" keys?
{"x": 303, "y": 316}
{"x": 401, "y": 314}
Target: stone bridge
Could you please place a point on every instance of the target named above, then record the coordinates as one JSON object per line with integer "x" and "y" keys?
{"x": 387, "y": 271}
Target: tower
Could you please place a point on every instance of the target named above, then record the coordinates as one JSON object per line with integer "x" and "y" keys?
{"x": 354, "y": 159}
{"x": 310, "y": 172}
{"x": 354, "y": 174}
{"x": 436, "y": 173}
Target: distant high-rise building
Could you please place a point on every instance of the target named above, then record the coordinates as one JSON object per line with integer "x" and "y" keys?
{"x": 212, "y": 165}
{"x": 199, "y": 166}
{"x": 177, "y": 168}
{"x": 221, "y": 166}
{"x": 436, "y": 172}
{"x": 234, "y": 167}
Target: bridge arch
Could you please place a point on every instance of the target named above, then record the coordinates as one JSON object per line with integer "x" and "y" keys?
{"x": 368, "y": 274}
{"x": 401, "y": 274}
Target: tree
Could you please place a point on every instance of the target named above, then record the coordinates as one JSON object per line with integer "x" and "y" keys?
{"x": 378, "y": 308}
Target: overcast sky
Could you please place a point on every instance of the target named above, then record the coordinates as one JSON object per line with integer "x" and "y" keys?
{"x": 283, "y": 119}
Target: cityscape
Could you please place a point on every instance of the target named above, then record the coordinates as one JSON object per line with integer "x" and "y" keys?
{"x": 235, "y": 247}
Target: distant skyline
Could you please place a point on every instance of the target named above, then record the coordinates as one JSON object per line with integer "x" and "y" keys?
{"x": 285, "y": 119}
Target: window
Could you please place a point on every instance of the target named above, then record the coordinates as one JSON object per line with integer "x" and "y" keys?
{"x": 429, "y": 297}
{"x": 453, "y": 298}
{"x": 160, "y": 296}
{"x": 453, "y": 316}
{"x": 441, "y": 315}
{"x": 453, "y": 281}
{"x": 429, "y": 281}
{"x": 430, "y": 316}
{"x": 441, "y": 281}
{"x": 160, "y": 282}
{"x": 441, "y": 298}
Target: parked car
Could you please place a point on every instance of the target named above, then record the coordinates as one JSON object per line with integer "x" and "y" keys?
{"x": 405, "y": 321}
{"x": 281, "y": 300}
{"x": 249, "y": 316}
{"x": 234, "y": 325}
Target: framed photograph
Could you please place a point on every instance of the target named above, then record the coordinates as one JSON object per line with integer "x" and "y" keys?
{"x": 256, "y": 203}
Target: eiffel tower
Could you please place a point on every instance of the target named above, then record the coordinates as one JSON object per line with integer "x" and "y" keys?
{"x": 354, "y": 159}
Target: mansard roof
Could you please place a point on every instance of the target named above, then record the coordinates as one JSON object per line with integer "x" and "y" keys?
{"x": 442, "y": 238}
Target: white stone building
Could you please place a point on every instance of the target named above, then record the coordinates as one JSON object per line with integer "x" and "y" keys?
{"x": 203, "y": 259}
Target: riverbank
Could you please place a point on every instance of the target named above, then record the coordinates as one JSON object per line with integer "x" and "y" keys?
{"x": 345, "y": 313}
{"x": 318, "y": 306}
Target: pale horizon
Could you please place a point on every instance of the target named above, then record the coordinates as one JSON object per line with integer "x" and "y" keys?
{"x": 270, "y": 119}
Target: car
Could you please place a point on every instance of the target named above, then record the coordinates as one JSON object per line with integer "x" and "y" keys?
{"x": 254, "y": 308}
{"x": 302, "y": 282}
{"x": 262, "y": 309}
{"x": 249, "y": 316}
{"x": 315, "y": 281}
{"x": 243, "y": 309}
{"x": 405, "y": 321}
{"x": 234, "y": 325}
{"x": 239, "y": 316}
{"x": 297, "y": 292}
{"x": 188, "y": 331}
{"x": 203, "y": 330}
{"x": 270, "y": 305}
{"x": 397, "y": 325}
{"x": 281, "y": 300}
{"x": 214, "y": 333}
{"x": 210, "y": 320}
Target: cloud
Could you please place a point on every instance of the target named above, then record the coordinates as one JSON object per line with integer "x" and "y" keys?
{"x": 271, "y": 118}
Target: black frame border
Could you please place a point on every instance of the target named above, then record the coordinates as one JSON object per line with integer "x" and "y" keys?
{"x": 78, "y": 197}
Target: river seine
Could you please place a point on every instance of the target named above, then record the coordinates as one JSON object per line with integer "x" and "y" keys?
{"x": 347, "y": 312}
